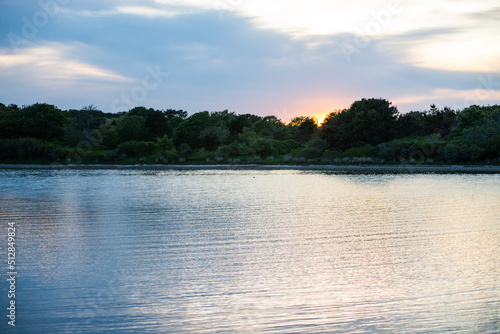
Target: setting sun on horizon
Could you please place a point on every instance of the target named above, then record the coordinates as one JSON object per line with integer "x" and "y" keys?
{"x": 321, "y": 119}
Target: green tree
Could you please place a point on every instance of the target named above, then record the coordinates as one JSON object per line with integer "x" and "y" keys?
{"x": 41, "y": 121}
{"x": 478, "y": 133}
{"x": 172, "y": 113}
{"x": 204, "y": 129}
{"x": 271, "y": 127}
{"x": 130, "y": 128}
{"x": 188, "y": 131}
{"x": 9, "y": 121}
{"x": 239, "y": 122}
{"x": 109, "y": 132}
{"x": 82, "y": 123}
{"x": 155, "y": 122}
{"x": 471, "y": 116}
{"x": 411, "y": 124}
{"x": 174, "y": 119}
{"x": 440, "y": 121}
{"x": 303, "y": 127}
{"x": 366, "y": 122}
{"x": 314, "y": 148}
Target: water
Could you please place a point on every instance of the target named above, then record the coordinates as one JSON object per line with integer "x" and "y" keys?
{"x": 251, "y": 251}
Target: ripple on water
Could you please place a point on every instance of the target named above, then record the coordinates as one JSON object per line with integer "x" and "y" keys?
{"x": 254, "y": 251}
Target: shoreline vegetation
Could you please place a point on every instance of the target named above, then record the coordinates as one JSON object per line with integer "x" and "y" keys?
{"x": 370, "y": 135}
{"x": 447, "y": 169}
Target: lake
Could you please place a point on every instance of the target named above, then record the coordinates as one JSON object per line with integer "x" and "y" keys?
{"x": 251, "y": 251}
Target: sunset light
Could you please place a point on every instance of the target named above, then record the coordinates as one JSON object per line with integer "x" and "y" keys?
{"x": 321, "y": 119}
{"x": 285, "y": 166}
{"x": 278, "y": 58}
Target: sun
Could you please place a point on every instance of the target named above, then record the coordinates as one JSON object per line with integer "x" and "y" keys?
{"x": 320, "y": 118}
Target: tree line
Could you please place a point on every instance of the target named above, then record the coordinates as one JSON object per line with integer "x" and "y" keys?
{"x": 369, "y": 131}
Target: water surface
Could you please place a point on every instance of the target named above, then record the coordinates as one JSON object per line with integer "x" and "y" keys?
{"x": 252, "y": 251}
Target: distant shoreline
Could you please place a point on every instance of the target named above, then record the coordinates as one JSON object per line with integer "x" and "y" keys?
{"x": 339, "y": 168}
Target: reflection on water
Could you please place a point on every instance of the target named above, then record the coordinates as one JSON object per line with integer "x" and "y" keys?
{"x": 253, "y": 251}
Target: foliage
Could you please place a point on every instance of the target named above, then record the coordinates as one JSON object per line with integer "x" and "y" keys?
{"x": 41, "y": 121}
{"x": 304, "y": 128}
{"x": 410, "y": 149}
{"x": 165, "y": 143}
{"x": 368, "y": 121}
{"x": 370, "y": 130}
{"x": 81, "y": 124}
{"x": 136, "y": 148}
{"x": 271, "y": 127}
{"x": 27, "y": 149}
{"x": 441, "y": 121}
{"x": 361, "y": 151}
{"x": 155, "y": 122}
{"x": 131, "y": 128}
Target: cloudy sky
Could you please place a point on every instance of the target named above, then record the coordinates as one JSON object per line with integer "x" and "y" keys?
{"x": 286, "y": 58}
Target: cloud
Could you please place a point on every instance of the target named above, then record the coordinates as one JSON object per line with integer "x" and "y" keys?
{"x": 145, "y": 11}
{"x": 56, "y": 73}
{"x": 250, "y": 57}
{"x": 490, "y": 14}
{"x": 54, "y": 62}
{"x": 449, "y": 49}
{"x": 132, "y": 8}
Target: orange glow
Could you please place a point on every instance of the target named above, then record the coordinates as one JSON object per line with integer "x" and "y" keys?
{"x": 320, "y": 118}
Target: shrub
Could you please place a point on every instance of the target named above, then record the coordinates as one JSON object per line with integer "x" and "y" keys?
{"x": 363, "y": 151}
{"x": 136, "y": 148}
{"x": 26, "y": 149}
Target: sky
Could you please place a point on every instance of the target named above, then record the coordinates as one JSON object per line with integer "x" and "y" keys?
{"x": 284, "y": 58}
